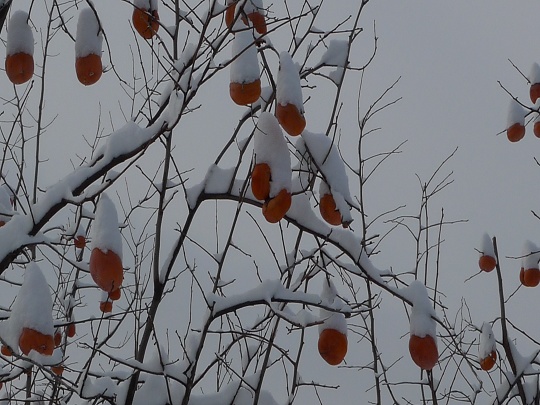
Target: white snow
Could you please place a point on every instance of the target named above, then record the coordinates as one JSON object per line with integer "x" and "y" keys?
{"x": 531, "y": 255}
{"x": 421, "y": 321}
{"x": 331, "y": 320}
{"x": 516, "y": 114}
{"x": 19, "y": 37}
{"x": 534, "y": 75}
{"x": 487, "y": 341}
{"x": 5, "y": 205}
{"x": 327, "y": 159}
{"x": 487, "y": 246}
{"x": 105, "y": 230}
{"x": 245, "y": 68}
{"x": 289, "y": 89}
{"x": 336, "y": 54}
{"x": 89, "y": 37}
{"x": 271, "y": 148}
{"x": 32, "y": 308}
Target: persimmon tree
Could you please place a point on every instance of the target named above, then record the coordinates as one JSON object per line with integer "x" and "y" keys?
{"x": 189, "y": 215}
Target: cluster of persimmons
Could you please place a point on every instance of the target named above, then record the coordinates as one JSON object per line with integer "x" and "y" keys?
{"x": 19, "y": 65}
{"x": 516, "y": 126}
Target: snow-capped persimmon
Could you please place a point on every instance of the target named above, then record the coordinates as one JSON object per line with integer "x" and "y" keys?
{"x": 332, "y": 346}
{"x": 31, "y": 339}
{"x": 89, "y": 69}
{"x": 488, "y": 362}
{"x": 19, "y": 67}
{"x": 486, "y": 263}
{"x": 260, "y": 181}
{"x": 145, "y": 22}
{"x": 534, "y": 92}
{"x": 529, "y": 277}
{"x": 515, "y": 132}
{"x": 115, "y": 294}
{"x": 423, "y": 351}
{"x": 329, "y": 211}
{"x": 6, "y": 351}
{"x": 105, "y": 306}
{"x": 276, "y": 208}
{"x": 79, "y": 241}
{"x": 245, "y": 93}
{"x": 290, "y": 119}
{"x": 106, "y": 269}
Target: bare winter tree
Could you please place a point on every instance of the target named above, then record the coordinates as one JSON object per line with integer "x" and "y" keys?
{"x": 190, "y": 215}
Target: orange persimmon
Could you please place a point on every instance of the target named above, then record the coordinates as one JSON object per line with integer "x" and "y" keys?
{"x": 290, "y": 118}
{"x": 536, "y": 129}
{"x": 79, "y": 242}
{"x": 6, "y": 350}
{"x": 488, "y": 362}
{"x": 258, "y": 21}
{"x": 58, "y": 370}
{"x": 276, "y": 208}
{"x": 534, "y": 92}
{"x": 530, "y": 277}
{"x": 423, "y": 351}
{"x": 260, "y": 181}
{"x": 71, "y": 330}
{"x": 515, "y": 132}
{"x": 57, "y": 339}
{"x": 115, "y": 294}
{"x": 329, "y": 211}
{"x": 332, "y": 346}
{"x": 486, "y": 263}
{"x": 31, "y": 339}
{"x": 88, "y": 68}
{"x": 106, "y": 269}
{"x": 245, "y": 93}
{"x": 105, "y": 306}
{"x": 145, "y": 22}
{"x": 19, "y": 67}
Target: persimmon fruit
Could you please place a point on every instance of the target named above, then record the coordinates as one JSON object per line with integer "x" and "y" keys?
{"x": 88, "y": 68}
{"x": 6, "y": 351}
{"x": 290, "y": 118}
{"x": 79, "y": 242}
{"x": 115, "y": 294}
{"x": 515, "y": 132}
{"x": 105, "y": 306}
{"x": 106, "y": 269}
{"x": 58, "y": 370}
{"x": 332, "y": 346}
{"x": 423, "y": 351}
{"x": 328, "y": 210}
{"x": 529, "y": 277}
{"x": 245, "y": 93}
{"x": 275, "y": 208}
{"x": 57, "y": 339}
{"x": 536, "y": 129}
{"x": 260, "y": 181}
{"x": 71, "y": 330}
{"x": 487, "y": 363}
{"x": 534, "y": 92}
{"x": 145, "y": 22}
{"x": 486, "y": 263}
{"x": 32, "y": 339}
{"x": 256, "y": 18}
{"x": 19, "y": 67}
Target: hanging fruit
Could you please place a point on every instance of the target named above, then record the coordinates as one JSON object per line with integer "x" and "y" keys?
{"x": 19, "y": 49}
{"x": 290, "y": 106}
{"x": 88, "y": 44}
{"x": 245, "y": 85}
{"x": 145, "y": 18}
